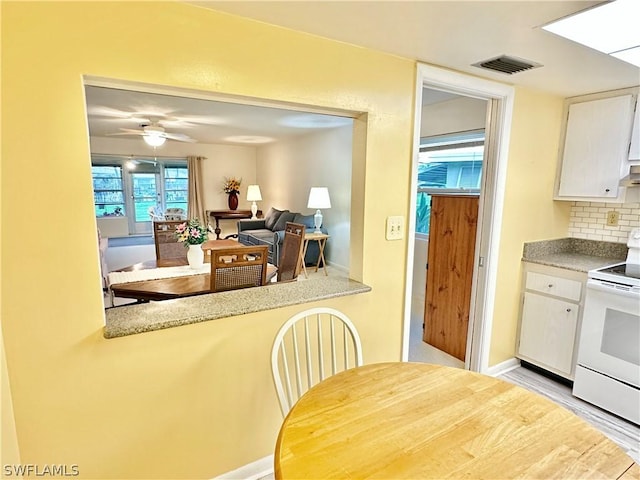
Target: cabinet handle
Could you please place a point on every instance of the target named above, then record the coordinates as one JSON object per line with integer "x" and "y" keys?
{"x": 568, "y": 309}
{"x": 551, "y": 285}
{"x": 607, "y": 190}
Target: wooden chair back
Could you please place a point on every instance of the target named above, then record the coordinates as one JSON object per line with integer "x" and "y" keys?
{"x": 167, "y": 245}
{"x": 289, "y": 263}
{"x": 238, "y": 267}
{"x": 311, "y": 346}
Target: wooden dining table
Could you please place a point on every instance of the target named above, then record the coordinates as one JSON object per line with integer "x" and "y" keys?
{"x": 421, "y": 421}
{"x": 173, "y": 287}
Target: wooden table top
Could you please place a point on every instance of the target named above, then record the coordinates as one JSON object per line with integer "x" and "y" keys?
{"x": 311, "y": 235}
{"x": 174, "y": 287}
{"x": 419, "y": 421}
{"x": 222, "y": 214}
{"x": 163, "y": 288}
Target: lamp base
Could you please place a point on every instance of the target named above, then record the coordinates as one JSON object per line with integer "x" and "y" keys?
{"x": 254, "y": 211}
{"x": 317, "y": 221}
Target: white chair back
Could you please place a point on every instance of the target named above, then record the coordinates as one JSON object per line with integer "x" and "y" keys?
{"x": 309, "y": 347}
{"x": 156, "y": 214}
{"x": 175, "y": 214}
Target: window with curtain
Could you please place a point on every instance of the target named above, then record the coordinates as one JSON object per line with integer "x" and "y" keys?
{"x": 176, "y": 186}
{"x": 451, "y": 163}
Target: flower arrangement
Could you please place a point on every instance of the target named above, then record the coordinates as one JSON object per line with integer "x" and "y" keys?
{"x": 191, "y": 233}
{"x": 231, "y": 185}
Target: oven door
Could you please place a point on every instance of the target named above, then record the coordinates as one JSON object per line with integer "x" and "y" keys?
{"x": 610, "y": 332}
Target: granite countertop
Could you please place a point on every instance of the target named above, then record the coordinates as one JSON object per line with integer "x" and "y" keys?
{"x": 146, "y": 317}
{"x": 574, "y": 253}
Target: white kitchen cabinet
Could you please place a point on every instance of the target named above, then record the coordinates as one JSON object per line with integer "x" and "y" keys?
{"x": 595, "y": 147}
{"x": 550, "y": 318}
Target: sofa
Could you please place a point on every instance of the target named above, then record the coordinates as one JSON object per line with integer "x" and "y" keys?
{"x": 269, "y": 231}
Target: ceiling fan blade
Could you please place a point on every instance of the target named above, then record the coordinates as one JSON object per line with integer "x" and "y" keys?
{"x": 180, "y": 137}
{"x": 102, "y": 111}
{"x": 125, "y": 133}
{"x": 186, "y": 121}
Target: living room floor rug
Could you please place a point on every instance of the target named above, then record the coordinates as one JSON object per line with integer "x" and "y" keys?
{"x": 130, "y": 240}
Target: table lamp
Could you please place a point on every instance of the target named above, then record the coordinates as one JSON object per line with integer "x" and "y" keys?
{"x": 253, "y": 195}
{"x": 318, "y": 198}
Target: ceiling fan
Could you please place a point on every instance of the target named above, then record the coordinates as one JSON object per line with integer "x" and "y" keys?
{"x": 155, "y": 135}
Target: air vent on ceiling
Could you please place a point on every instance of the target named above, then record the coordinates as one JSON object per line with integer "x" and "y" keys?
{"x": 508, "y": 65}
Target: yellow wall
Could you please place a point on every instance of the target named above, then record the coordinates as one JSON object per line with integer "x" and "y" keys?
{"x": 193, "y": 401}
{"x": 529, "y": 211}
{"x": 9, "y": 452}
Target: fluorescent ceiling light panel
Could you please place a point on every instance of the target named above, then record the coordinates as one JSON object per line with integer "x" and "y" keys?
{"x": 611, "y": 28}
{"x": 632, "y": 55}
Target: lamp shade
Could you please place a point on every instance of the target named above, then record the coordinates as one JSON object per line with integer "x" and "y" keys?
{"x": 319, "y": 198}
{"x": 253, "y": 193}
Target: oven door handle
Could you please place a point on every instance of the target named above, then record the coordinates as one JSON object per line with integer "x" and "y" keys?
{"x": 629, "y": 292}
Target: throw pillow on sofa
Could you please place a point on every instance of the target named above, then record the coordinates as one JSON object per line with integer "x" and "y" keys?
{"x": 306, "y": 220}
{"x": 271, "y": 217}
{"x": 285, "y": 217}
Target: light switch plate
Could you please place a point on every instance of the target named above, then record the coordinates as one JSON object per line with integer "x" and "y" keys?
{"x": 395, "y": 228}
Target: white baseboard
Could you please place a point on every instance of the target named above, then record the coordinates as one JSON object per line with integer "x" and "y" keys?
{"x": 251, "y": 471}
{"x": 503, "y": 367}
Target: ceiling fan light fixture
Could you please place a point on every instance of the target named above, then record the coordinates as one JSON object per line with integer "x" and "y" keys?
{"x": 154, "y": 139}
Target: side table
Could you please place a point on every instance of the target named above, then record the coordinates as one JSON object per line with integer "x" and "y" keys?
{"x": 228, "y": 215}
{"x": 321, "y": 238}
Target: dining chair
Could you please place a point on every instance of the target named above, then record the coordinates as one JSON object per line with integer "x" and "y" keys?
{"x": 309, "y": 347}
{"x": 289, "y": 263}
{"x": 238, "y": 267}
{"x": 166, "y": 242}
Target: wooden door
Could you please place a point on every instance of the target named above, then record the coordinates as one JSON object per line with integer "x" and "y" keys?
{"x": 450, "y": 261}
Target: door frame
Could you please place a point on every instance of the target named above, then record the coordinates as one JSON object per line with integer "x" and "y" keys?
{"x": 144, "y": 227}
{"x": 500, "y": 99}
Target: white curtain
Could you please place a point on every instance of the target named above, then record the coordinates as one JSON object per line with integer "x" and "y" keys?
{"x": 196, "y": 199}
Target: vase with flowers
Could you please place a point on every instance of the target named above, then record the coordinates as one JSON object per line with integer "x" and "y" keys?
{"x": 231, "y": 187}
{"x": 193, "y": 234}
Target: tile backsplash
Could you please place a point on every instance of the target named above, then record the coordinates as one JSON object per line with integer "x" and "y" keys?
{"x": 589, "y": 220}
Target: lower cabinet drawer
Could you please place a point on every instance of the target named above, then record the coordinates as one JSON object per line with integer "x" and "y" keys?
{"x": 556, "y": 286}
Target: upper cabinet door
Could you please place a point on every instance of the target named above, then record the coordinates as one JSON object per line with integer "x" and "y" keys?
{"x": 596, "y": 148}
{"x": 634, "y": 151}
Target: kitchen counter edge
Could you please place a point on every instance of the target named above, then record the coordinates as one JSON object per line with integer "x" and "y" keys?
{"x": 576, "y": 254}
{"x": 147, "y": 317}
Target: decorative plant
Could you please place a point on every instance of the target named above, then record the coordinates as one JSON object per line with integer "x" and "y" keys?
{"x": 191, "y": 233}
{"x": 231, "y": 185}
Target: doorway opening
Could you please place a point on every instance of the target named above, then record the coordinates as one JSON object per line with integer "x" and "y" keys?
{"x": 450, "y": 165}
{"x": 495, "y": 101}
